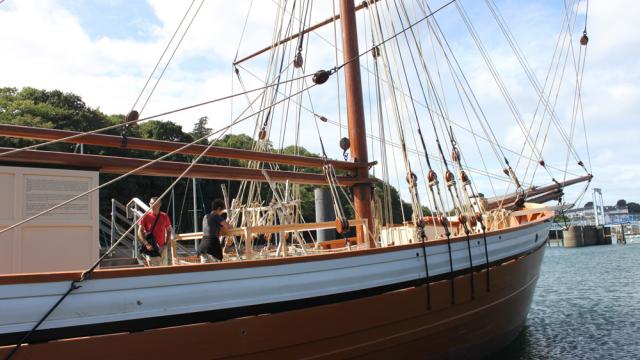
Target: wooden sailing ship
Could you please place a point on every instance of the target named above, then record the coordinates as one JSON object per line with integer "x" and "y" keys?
{"x": 455, "y": 284}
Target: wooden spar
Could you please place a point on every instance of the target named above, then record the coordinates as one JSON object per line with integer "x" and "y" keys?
{"x": 27, "y": 132}
{"x": 355, "y": 116}
{"x": 121, "y": 165}
{"x": 543, "y": 198}
{"x": 296, "y": 35}
{"x": 538, "y": 199}
{"x": 493, "y": 203}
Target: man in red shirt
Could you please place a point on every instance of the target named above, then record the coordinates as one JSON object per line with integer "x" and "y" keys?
{"x": 161, "y": 232}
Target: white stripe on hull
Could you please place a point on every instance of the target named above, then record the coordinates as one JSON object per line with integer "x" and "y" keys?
{"x": 119, "y": 299}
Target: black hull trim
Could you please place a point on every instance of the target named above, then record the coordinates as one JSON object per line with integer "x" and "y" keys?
{"x": 142, "y": 324}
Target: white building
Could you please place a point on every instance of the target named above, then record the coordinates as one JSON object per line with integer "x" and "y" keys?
{"x": 612, "y": 215}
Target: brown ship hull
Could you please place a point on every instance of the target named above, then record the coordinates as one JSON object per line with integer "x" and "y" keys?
{"x": 393, "y": 324}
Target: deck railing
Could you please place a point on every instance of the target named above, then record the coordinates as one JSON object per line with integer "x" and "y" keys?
{"x": 246, "y": 234}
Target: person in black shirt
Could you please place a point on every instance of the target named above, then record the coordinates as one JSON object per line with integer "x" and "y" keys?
{"x": 212, "y": 223}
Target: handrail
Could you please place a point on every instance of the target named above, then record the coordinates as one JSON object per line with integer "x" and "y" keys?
{"x": 104, "y": 229}
{"x": 118, "y": 204}
{"x": 104, "y": 219}
{"x": 239, "y": 231}
{"x": 135, "y": 202}
{"x": 131, "y": 210}
{"x": 122, "y": 217}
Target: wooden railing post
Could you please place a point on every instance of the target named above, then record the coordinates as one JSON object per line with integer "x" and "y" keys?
{"x": 248, "y": 243}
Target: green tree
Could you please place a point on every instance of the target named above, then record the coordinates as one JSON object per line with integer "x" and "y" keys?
{"x": 164, "y": 130}
{"x": 47, "y": 109}
{"x": 63, "y": 110}
{"x": 634, "y": 208}
{"x": 240, "y": 141}
{"x": 561, "y": 219}
{"x": 200, "y": 130}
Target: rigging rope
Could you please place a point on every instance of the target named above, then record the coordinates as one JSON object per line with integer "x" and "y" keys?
{"x": 563, "y": 37}
{"x": 411, "y": 177}
{"x": 419, "y": 222}
{"x": 412, "y": 150}
{"x": 505, "y": 93}
{"x": 433, "y": 91}
{"x": 461, "y": 78}
{"x": 535, "y": 83}
{"x": 492, "y": 143}
{"x": 162, "y": 56}
{"x": 153, "y": 89}
{"x": 244, "y": 28}
{"x": 441, "y": 109}
{"x": 382, "y": 42}
{"x": 388, "y": 210}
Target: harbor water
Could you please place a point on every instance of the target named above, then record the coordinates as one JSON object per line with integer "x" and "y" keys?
{"x": 586, "y": 306}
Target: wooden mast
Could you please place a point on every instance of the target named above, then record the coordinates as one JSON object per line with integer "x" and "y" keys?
{"x": 355, "y": 115}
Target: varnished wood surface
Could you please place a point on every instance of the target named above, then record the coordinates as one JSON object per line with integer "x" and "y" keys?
{"x": 113, "y": 141}
{"x": 122, "y": 165}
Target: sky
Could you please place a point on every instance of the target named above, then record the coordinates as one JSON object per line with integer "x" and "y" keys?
{"x": 104, "y": 51}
